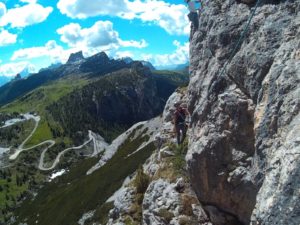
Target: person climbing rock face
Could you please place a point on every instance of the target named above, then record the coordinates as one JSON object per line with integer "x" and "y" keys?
{"x": 193, "y": 15}
{"x": 180, "y": 126}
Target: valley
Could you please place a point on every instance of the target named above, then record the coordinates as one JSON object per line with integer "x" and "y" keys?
{"x": 50, "y": 138}
{"x": 207, "y": 135}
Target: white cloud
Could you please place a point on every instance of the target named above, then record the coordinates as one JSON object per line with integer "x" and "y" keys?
{"x": 29, "y": 53}
{"x": 7, "y": 38}
{"x": 28, "y": 1}
{"x": 56, "y": 53}
{"x": 179, "y": 56}
{"x": 99, "y": 37}
{"x": 26, "y": 15}
{"x": 12, "y": 69}
{"x": 100, "y": 34}
{"x": 81, "y": 9}
{"x": 135, "y": 44}
{"x": 123, "y": 54}
{"x": 51, "y": 49}
{"x": 170, "y": 17}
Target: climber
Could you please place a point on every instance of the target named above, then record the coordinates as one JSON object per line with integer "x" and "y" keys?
{"x": 180, "y": 126}
{"x": 193, "y": 15}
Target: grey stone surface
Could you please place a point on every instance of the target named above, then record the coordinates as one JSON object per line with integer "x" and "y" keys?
{"x": 160, "y": 195}
{"x": 244, "y": 149}
{"x": 164, "y": 202}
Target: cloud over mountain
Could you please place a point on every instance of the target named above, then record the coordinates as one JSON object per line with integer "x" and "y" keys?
{"x": 40, "y": 32}
{"x": 101, "y": 34}
{"x": 179, "y": 56}
{"x": 99, "y": 37}
{"x": 51, "y": 49}
{"x": 11, "y": 69}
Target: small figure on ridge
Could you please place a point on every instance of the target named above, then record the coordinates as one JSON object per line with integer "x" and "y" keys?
{"x": 180, "y": 126}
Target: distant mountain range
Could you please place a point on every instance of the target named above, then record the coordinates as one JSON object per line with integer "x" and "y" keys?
{"x": 52, "y": 66}
{"x": 29, "y": 69}
{"x": 129, "y": 60}
{"x": 77, "y": 58}
{"x": 93, "y": 66}
{"x": 24, "y": 73}
{"x": 113, "y": 85}
{"x": 175, "y": 67}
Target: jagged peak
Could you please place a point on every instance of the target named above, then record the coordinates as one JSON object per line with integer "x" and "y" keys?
{"x": 75, "y": 57}
{"x": 148, "y": 64}
{"x": 127, "y": 60}
{"x": 100, "y": 56}
{"x": 17, "y": 77}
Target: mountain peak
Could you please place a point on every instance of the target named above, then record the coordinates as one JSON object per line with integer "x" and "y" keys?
{"x": 127, "y": 60}
{"x": 148, "y": 64}
{"x": 17, "y": 77}
{"x": 75, "y": 57}
{"x": 101, "y": 56}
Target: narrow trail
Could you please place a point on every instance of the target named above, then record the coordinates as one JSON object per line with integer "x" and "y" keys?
{"x": 51, "y": 143}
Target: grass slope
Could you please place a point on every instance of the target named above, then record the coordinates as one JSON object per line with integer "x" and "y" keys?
{"x": 64, "y": 201}
{"x": 37, "y": 101}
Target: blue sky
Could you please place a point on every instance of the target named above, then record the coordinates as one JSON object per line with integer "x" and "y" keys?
{"x": 37, "y": 33}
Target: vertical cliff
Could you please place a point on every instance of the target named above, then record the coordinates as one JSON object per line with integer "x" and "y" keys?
{"x": 243, "y": 154}
{"x": 244, "y": 146}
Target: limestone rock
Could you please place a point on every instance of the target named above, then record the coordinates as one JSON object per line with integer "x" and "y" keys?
{"x": 159, "y": 196}
{"x": 165, "y": 152}
{"x": 244, "y": 144}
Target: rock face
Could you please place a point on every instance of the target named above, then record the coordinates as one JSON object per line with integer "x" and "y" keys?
{"x": 75, "y": 57}
{"x": 160, "y": 195}
{"x": 168, "y": 199}
{"x": 243, "y": 156}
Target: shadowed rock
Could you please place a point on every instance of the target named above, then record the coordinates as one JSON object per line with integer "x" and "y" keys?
{"x": 75, "y": 57}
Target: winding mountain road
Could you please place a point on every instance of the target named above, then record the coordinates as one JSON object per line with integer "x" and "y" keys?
{"x": 56, "y": 161}
{"x": 21, "y": 146}
{"x": 99, "y": 145}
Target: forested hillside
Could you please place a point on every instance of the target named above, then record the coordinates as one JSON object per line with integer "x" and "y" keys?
{"x": 115, "y": 101}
